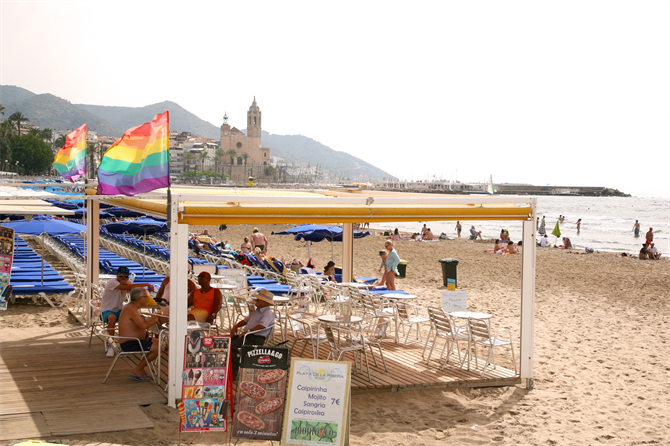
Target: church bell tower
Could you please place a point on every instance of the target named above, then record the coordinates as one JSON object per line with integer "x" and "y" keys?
{"x": 254, "y": 121}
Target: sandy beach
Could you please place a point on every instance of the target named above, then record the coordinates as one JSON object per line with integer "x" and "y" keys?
{"x": 602, "y": 368}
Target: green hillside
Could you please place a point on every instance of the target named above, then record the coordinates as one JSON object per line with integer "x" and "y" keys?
{"x": 181, "y": 120}
{"x": 10, "y": 94}
{"x": 47, "y": 110}
{"x": 301, "y": 149}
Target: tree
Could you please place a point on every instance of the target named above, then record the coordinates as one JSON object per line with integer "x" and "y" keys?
{"x": 203, "y": 157}
{"x": 245, "y": 156}
{"x": 6, "y": 128}
{"x": 2, "y": 110}
{"x": 232, "y": 154}
{"x": 59, "y": 143}
{"x": 218, "y": 157}
{"x": 33, "y": 154}
{"x": 188, "y": 159}
{"x": 18, "y": 118}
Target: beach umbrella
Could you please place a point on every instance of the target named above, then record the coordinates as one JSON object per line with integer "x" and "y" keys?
{"x": 124, "y": 213}
{"x": 37, "y": 226}
{"x": 556, "y": 232}
{"x": 144, "y": 226}
{"x": 331, "y": 233}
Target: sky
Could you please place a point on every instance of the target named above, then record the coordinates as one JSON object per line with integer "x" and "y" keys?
{"x": 567, "y": 93}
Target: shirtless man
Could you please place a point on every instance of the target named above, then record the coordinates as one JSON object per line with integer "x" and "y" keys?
{"x": 424, "y": 231}
{"x": 131, "y": 324}
{"x": 113, "y": 296}
{"x": 258, "y": 240}
{"x": 636, "y": 228}
{"x": 649, "y": 236}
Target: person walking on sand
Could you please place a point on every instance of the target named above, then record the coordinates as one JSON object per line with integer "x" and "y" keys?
{"x": 649, "y": 236}
{"x": 392, "y": 262}
{"x": 636, "y": 228}
{"x": 458, "y": 228}
{"x": 579, "y": 225}
{"x": 258, "y": 240}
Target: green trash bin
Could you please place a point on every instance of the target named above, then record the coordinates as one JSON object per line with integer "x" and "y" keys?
{"x": 402, "y": 268}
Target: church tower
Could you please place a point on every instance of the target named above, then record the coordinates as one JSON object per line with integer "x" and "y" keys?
{"x": 254, "y": 121}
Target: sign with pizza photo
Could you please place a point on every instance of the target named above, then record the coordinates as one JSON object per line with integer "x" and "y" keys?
{"x": 261, "y": 389}
{"x": 317, "y": 403}
{"x": 205, "y": 383}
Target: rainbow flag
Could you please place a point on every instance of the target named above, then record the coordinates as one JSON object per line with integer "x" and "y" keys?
{"x": 70, "y": 161}
{"x": 139, "y": 161}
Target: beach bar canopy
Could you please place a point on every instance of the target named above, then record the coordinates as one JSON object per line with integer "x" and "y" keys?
{"x": 214, "y": 206}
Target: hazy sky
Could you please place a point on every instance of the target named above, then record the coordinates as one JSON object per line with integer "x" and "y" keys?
{"x": 542, "y": 92}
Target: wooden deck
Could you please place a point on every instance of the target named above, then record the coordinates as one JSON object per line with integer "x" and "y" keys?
{"x": 51, "y": 384}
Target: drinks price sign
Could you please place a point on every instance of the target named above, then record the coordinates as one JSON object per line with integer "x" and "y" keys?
{"x": 317, "y": 403}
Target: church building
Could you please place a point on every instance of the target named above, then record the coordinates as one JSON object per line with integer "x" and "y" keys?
{"x": 232, "y": 138}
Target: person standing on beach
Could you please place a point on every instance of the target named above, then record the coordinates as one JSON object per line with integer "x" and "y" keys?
{"x": 636, "y": 228}
{"x": 579, "y": 225}
{"x": 392, "y": 262}
{"x": 258, "y": 240}
{"x": 542, "y": 230}
{"x": 458, "y": 228}
{"x": 649, "y": 236}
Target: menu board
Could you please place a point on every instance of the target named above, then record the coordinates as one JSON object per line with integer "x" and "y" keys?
{"x": 454, "y": 301}
{"x": 6, "y": 256}
{"x": 239, "y": 276}
{"x": 205, "y": 383}
{"x": 317, "y": 403}
{"x": 261, "y": 389}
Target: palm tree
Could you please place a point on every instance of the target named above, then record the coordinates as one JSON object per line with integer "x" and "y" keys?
{"x": 218, "y": 158}
{"x": 188, "y": 159}
{"x": 6, "y": 128}
{"x": 18, "y": 118}
{"x": 2, "y": 110}
{"x": 203, "y": 157}
{"x": 232, "y": 154}
{"x": 59, "y": 143}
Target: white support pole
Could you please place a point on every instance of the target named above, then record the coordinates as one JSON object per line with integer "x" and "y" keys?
{"x": 92, "y": 251}
{"x": 347, "y": 252}
{"x": 178, "y": 298}
{"x": 528, "y": 299}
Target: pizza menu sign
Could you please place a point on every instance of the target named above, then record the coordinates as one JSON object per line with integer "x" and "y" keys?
{"x": 261, "y": 388}
{"x": 204, "y": 383}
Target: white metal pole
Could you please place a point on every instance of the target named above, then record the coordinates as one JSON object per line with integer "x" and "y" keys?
{"x": 528, "y": 299}
{"x": 92, "y": 250}
{"x": 178, "y": 299}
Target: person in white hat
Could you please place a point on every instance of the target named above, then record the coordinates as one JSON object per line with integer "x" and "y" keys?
{"x": 260, "y": 322}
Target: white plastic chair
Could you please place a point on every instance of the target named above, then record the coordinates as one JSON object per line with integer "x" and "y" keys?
{"x": 480, "y": 333}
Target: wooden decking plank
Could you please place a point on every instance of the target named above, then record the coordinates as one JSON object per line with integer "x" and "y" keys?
{"x": 101, "y": 419}
{"x": 23, "y": 426}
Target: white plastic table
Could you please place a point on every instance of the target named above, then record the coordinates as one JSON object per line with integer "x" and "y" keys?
{"x": 469, "y": 314}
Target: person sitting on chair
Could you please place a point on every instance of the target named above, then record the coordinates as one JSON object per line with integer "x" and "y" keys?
{"x": 116, "y": 291}
{"x": 329, "y": 271}
{"x": 206, "y": 301}
{"x": 474, "y": 233}
{"x": 260, "y": 322}
{"x": 132, "y": 325}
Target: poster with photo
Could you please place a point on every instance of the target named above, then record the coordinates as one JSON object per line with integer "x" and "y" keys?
{"x": 205, "y": 383}
{"x": 261, "y": 389}
{"x": 6, "y": 257}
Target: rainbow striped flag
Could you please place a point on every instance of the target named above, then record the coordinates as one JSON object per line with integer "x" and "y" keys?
{"x": 70, "y": 161}
{"x": 139, "y": 161}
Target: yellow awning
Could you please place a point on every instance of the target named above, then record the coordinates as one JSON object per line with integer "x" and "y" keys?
{"x": 208, "y": 206}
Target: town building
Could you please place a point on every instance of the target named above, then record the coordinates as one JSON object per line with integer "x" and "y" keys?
{"x": 233, "y": 139}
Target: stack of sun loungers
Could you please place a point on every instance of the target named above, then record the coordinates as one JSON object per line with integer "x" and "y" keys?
{"x": 33, "y": 276}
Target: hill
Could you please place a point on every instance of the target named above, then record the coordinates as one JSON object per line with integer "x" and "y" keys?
{"x": 181, "y": 120}
{"x": 302, "y": 149}
{"x": 47, "y": 110}
{"x": 10, "y": 94}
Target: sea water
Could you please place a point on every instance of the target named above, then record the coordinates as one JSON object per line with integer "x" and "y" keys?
{"x": 607, "y": 223}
